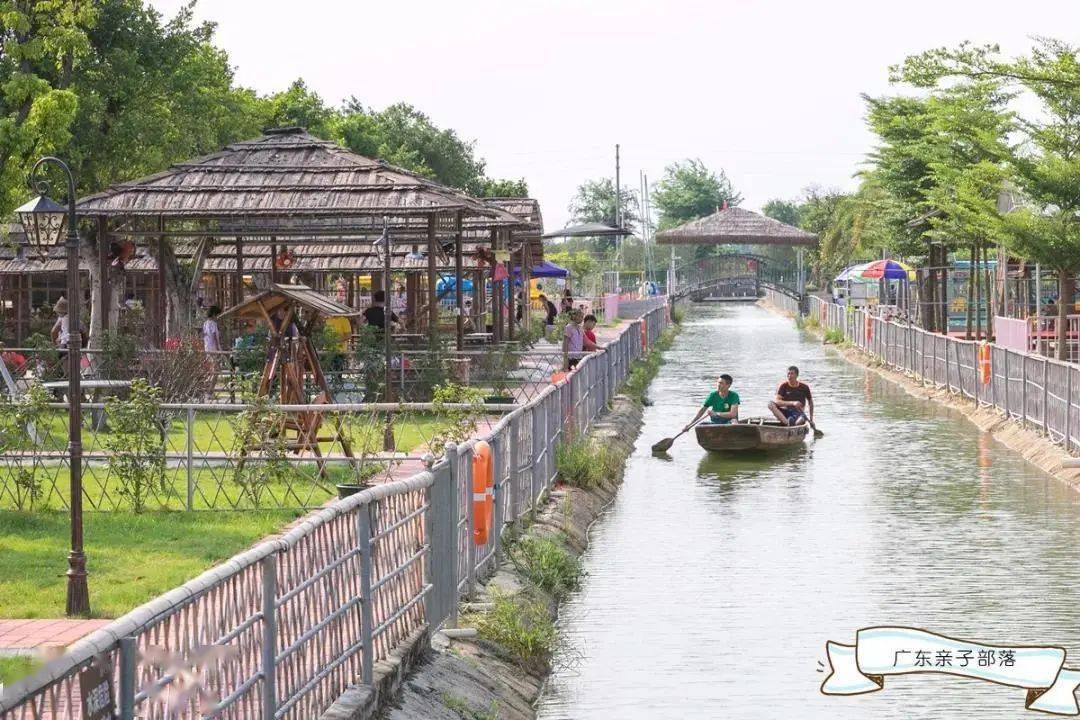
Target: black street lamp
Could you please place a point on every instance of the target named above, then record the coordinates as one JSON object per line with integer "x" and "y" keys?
{"x": 44, "y": 221}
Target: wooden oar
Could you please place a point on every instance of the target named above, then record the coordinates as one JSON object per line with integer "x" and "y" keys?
{"x": 817, "y": 433}
{"x": 665, "y": 444}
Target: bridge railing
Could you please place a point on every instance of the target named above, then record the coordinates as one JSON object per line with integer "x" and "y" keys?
{"x": 280, "y": 631}
{"x": 1033, "y": 389}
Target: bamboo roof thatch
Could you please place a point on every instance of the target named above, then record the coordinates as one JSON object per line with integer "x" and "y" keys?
{"x": 324, "y": 254}
{"x": 279, "y": 295}
{"x": 282, "y": 180}
{"x": 735, "y": 225}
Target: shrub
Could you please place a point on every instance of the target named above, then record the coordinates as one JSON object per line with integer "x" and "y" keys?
{"x": 547, "y": 565}
{"x": 678, "y": 314}
{"x": 523, "y": 628}
{"x": 137, "y": 451}
{"x": 584, "y": 463}
{"x": 260, "y": 429}
{"x": 455, "y": 424}
{"x": 19, "y": 423}
{"x": 834, "y": 336}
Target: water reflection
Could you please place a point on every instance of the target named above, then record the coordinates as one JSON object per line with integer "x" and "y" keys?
{"x": 716, "y": 580}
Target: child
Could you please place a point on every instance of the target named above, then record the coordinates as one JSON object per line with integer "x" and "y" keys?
{"x": 573, "y": 340}
{"x": 590, "y": 336}
{"x": 210, "y": 334}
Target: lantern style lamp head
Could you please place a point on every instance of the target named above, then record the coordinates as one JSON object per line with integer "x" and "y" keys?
{"x": 44, "y": 221}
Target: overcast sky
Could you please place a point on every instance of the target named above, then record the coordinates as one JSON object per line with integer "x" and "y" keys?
{"x": 769, "y": 91}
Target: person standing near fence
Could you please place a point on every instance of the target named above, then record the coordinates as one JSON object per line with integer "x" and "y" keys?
{"x": 211, "y": 335}
{"x": 573, "y": 341}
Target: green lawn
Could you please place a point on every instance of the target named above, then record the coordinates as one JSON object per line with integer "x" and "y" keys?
{"x": 213, "y": 432}
{"x": 131, "y": 558}
{"x": 16, "y": 668}
{"x": 214, "y": 481}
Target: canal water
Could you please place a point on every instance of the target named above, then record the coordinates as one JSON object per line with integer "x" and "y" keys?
{"x": 714, "y": 582}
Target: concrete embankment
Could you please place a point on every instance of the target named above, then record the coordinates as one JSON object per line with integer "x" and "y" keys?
{"x": 1029, "y": 443}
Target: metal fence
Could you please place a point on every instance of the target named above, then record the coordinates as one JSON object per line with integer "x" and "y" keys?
{"x": 281, "y": 630}
{"x": 1035, "y": 390}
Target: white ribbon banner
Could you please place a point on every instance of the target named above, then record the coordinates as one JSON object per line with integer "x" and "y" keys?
{"x": 882, "y": 651}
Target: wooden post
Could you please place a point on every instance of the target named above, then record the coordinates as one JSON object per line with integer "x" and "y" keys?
{"x": 496, "y": 290}
{"x": 102, "y": 299}
{"x": 459, "y": 271}
{"x": 479, "y": 300}
{"x": 511, "y": 305}
{"x": 162, "y": 312}
{"x": 526, "y": 278}
{"x": 238, "y": 283}
{"x": 412, "y": 288}
{"x": 432, "y": 281}
{"x": 273, "y": 261}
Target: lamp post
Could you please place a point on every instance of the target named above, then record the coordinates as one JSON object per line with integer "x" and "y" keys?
{"x": 44, "y": 221}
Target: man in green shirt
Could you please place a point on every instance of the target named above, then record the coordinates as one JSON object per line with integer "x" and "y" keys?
{"x": 722, "y": 404}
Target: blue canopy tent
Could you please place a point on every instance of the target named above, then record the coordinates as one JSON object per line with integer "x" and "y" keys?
{"x": 546, "y": 269}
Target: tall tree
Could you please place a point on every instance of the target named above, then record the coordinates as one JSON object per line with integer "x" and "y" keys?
{"x": 1047, "y": 166}
{"x": 689, "y": 190}
{"x": 595, "y": 202}
{"x": 785, "y": 211}
{"x": 504, "y": 188}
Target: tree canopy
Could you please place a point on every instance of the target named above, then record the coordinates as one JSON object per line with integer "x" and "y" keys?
{"x": 689, "y": 190}
{"x": 595, "y": 202}
{"x": 120, "y": 92}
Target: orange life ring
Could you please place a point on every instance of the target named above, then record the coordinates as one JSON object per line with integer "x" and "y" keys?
{"x": 985, "y": 374}
{"x": 557, "y": 378}
{"x": 868, "y": 327}
{"x": 644, "y": 337}
{"x": 481, "y": 482}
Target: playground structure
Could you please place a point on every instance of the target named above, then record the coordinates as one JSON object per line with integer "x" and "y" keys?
{"x": 292, "y": 313}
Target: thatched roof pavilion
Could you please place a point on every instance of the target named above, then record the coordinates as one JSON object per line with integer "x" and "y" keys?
{"x": 288, "y": 188}
{"x": 736, "y": 226}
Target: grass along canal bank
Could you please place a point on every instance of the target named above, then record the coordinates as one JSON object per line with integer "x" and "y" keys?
{"x": 496, "y": 663}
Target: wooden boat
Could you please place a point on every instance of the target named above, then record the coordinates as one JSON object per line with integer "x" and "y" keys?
{"x": 749, "y": 434}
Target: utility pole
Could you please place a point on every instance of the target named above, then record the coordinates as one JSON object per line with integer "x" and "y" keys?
{"x": 618, "y": 220}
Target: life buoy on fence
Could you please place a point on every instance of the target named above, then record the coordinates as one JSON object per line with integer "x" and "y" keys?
{"x": 985, "y": 374}
{"x": 644, "y": 337}
{"x": 868, "y": 327}
{"x": 481, "y": 482}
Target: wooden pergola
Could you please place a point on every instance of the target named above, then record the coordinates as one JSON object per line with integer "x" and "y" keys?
{"x": 232, "y": 212}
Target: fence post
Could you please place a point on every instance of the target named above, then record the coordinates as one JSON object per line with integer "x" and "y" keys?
{"x": 1007, "y": 411}
{"x": 129, "y": 655}
{"x": 269, "y": 636}
{"x": 451, "y": 454}
{"x": 191, "y": 448}
{"x": 947, "y": 384}
{"x": 443, "y": 513}
{"x": 1068, "y": 408}
{"x": 1045, "y": 396}
{"x": 498, "y": 452}
{"x": 1023, "y": 390}
{"x": 515, "y": 456}
{"x": 993, "y": 379}
{"x": 470, "y": 545}
{"x": 539, "y": 434}
{"x": 363, "y": 539}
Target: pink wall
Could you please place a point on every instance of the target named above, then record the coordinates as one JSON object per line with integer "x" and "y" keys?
{"x": 1011, "y": 333}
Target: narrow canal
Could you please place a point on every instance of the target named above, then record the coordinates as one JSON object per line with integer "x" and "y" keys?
{"x": 714, "y": 582}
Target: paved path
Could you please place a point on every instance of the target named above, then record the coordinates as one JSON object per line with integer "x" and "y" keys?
{"x": 21, "y": 635}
